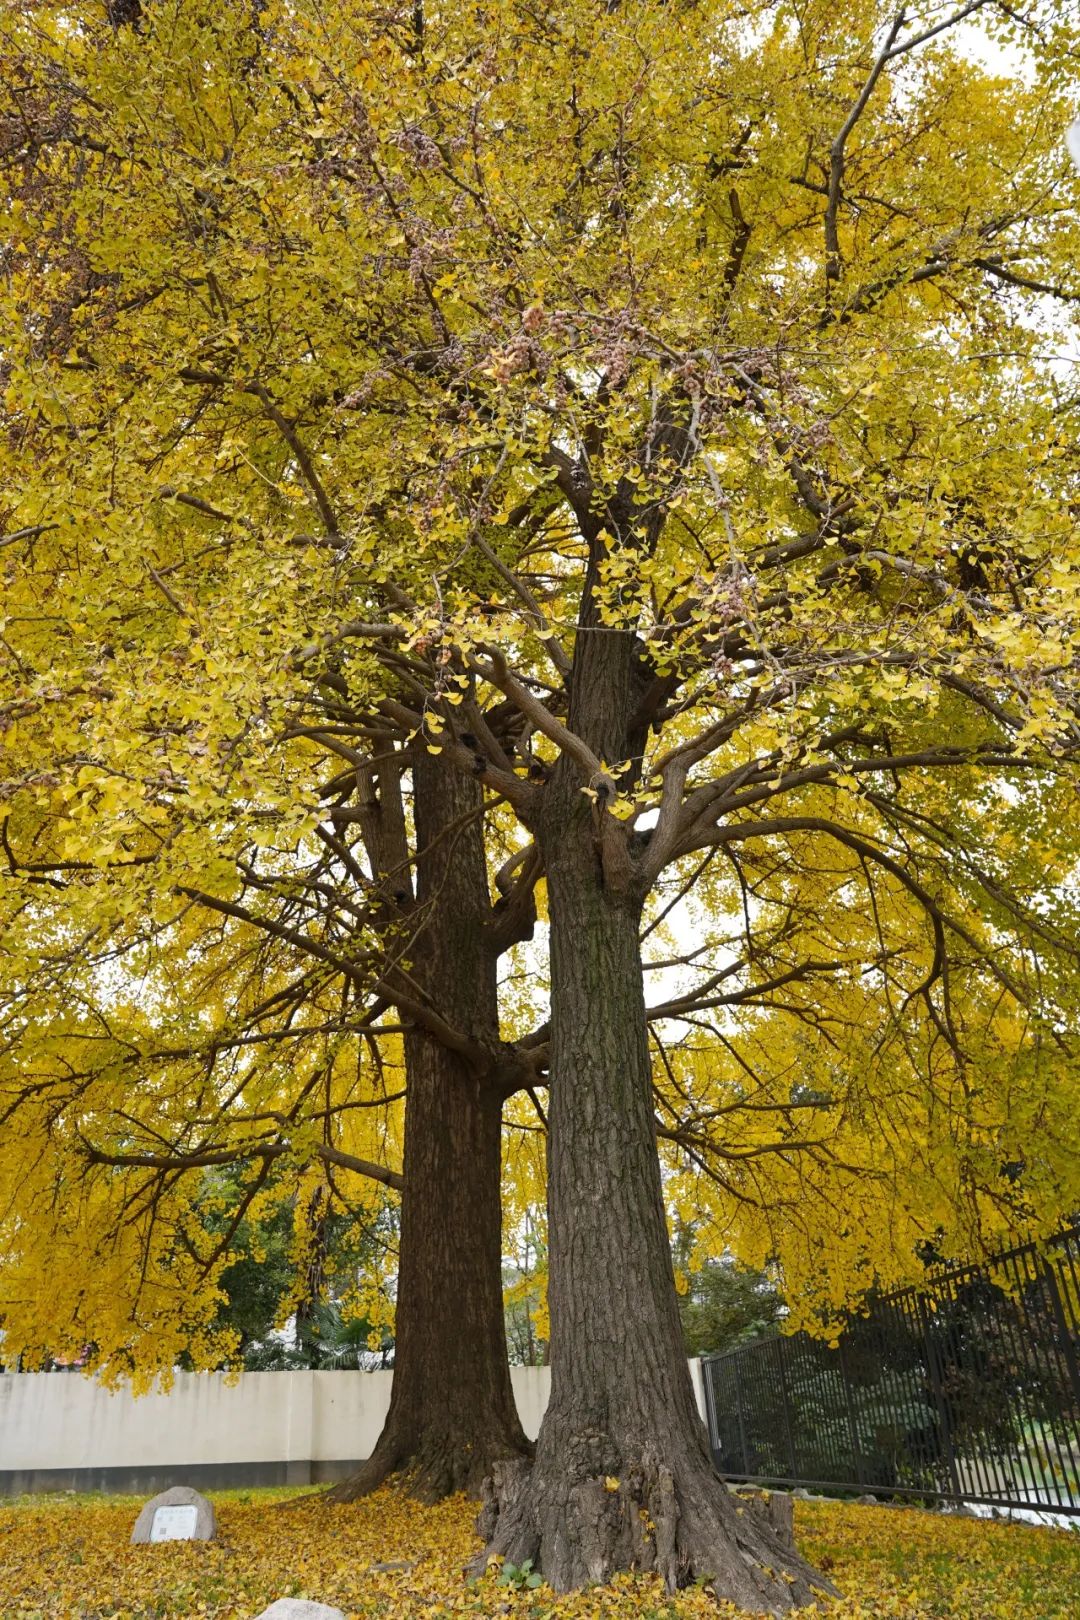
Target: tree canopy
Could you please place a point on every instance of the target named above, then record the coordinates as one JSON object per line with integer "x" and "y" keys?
{"x": 364, "y": 371}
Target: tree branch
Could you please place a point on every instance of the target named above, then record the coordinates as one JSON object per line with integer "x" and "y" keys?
{"x": 216, "y": 1156}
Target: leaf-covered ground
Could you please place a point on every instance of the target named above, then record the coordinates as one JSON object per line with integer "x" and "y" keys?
{"x": 64, "y": 1559}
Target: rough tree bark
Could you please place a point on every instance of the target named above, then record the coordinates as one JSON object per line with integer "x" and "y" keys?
{"x": 622, "y": 1477}
{"x": 452, "y": 1414}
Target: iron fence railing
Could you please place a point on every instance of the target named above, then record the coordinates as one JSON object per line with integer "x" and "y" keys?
{"x": 964, "y": 1389}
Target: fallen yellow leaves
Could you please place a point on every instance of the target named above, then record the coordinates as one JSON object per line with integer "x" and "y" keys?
{"x": 71, "y": 1560}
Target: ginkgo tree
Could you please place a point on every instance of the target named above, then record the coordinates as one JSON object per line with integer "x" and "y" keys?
{"x": 646, "y": 424}
{"x": 271, "y": 1032}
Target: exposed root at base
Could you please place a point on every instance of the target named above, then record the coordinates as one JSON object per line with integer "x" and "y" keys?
{"x": 429, "y": 1471}
{"x": 368, "y": 1478}
{"x": 687, "y": 1527}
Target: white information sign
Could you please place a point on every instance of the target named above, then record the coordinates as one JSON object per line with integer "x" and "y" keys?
{"x": 174, "y": 1523}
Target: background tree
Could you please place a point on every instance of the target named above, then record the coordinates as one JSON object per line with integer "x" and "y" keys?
{"x": 706, "y": 496}
{"x": 290, "y": 1315}
{"x": 298, "y": 988}
{"x": 525, "y": 1291}
{"x": 722, "y": 1304}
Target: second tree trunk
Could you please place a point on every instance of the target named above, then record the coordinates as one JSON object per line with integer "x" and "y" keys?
{"x": 452, "y": 1414}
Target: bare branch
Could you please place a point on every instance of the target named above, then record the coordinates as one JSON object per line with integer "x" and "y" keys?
{"x": 837, "y": 152}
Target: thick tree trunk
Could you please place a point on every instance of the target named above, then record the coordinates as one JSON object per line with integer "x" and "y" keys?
{"x": 452, "y": 1415}
{"x": 623, "y": 1477}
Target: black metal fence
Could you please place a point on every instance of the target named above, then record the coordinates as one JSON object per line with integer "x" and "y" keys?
{"x": 965, "y": 1389}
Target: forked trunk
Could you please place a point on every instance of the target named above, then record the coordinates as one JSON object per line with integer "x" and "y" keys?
{"x": 452, "y": 1415}
{"x": 622, "y": 1477}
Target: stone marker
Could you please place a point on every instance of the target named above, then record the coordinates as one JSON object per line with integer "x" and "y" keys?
{"x": 299, "y": 1609}
{"x": 178, "y": 1514}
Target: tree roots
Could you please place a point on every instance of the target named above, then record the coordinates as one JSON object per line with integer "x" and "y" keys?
{"x": 680, "y": 1521}
{"x": 429, "y": 1469}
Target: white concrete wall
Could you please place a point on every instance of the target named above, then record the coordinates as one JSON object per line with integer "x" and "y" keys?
{"x": 52, "y": 1421}
{"x": 345, "y": 1420}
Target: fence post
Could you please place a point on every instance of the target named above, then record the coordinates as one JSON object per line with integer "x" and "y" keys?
{"x": 705, "y": 1366}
